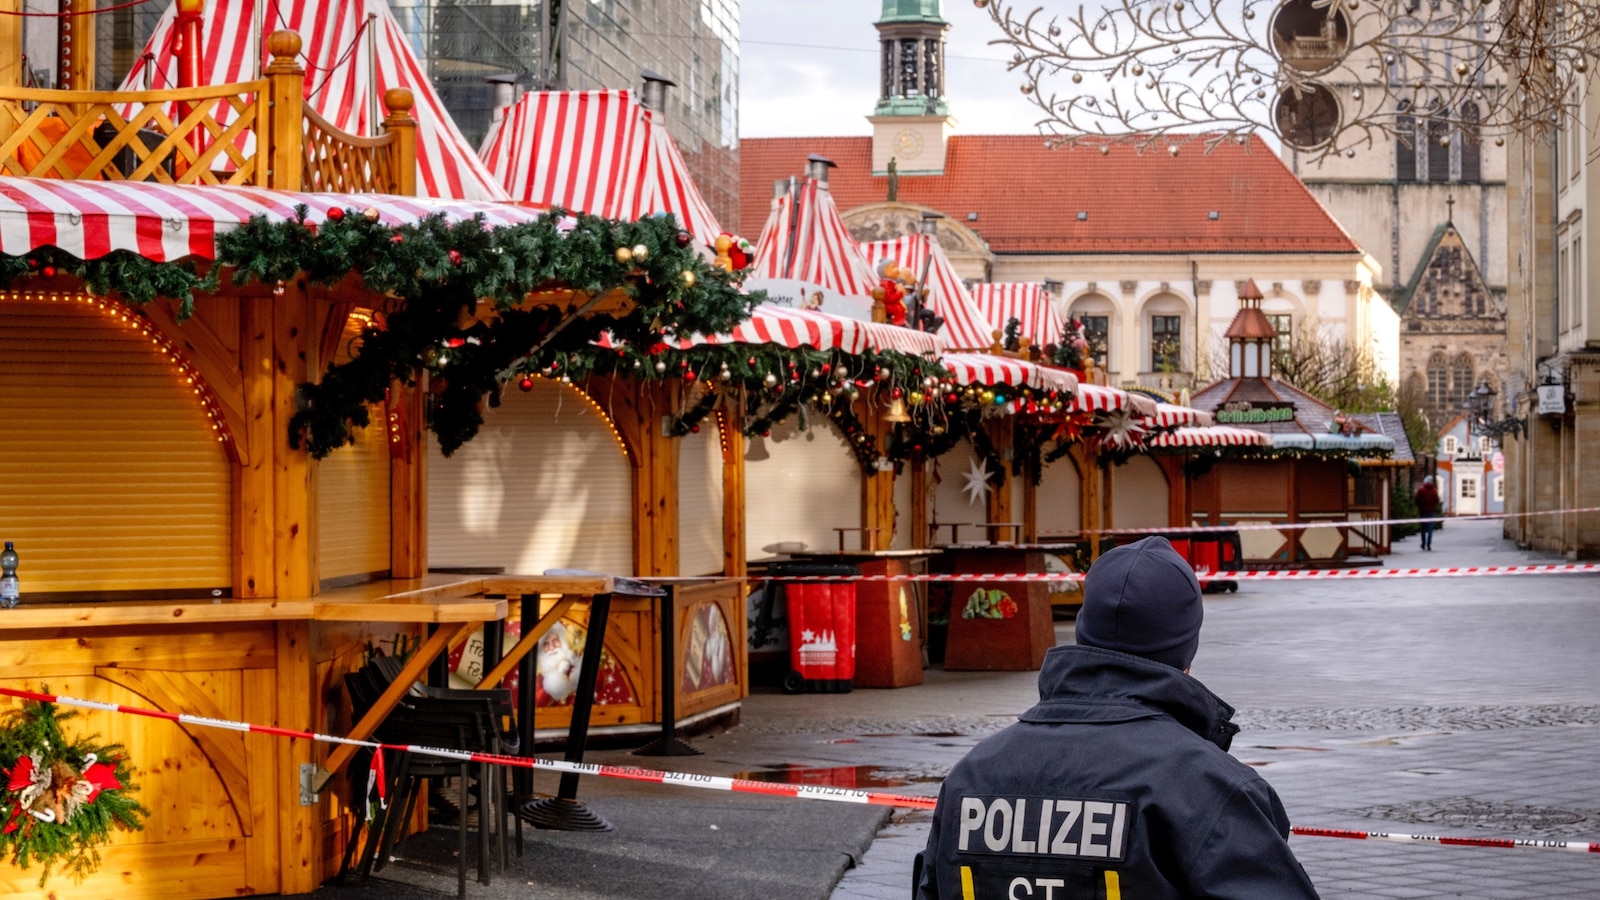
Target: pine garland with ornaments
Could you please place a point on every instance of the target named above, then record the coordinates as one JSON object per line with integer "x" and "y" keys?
{"x": 61, "y": 798}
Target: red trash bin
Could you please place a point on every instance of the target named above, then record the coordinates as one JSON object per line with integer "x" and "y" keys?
{"x": 822, "y": 629}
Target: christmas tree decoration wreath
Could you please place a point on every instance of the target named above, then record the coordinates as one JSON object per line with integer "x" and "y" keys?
{"x": 60, "y": 798}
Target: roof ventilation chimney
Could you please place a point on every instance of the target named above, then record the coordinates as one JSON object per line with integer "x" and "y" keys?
{"x": 817, "y": 167}
{"x": 654, "y": 95}
{"x": 505, "y": 92}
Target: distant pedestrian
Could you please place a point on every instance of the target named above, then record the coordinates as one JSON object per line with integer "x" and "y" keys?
{"x": 1118, "y": 783}
{"x": 1427, "y": 510}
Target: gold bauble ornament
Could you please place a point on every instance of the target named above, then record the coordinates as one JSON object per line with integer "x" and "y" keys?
{"x": 624, "y": 255}
{"x": 688, "y": 278}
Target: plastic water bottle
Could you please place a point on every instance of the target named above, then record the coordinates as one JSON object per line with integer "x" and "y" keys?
{"x": 10, "y": 590}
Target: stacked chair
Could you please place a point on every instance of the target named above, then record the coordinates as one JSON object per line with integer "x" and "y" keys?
{"x": 468, "y": 721}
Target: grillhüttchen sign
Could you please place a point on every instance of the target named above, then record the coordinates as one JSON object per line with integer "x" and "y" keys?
{"x": 1250, "y": 412}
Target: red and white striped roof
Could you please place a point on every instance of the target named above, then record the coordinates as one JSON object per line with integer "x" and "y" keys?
{"x": 1027, "y": 302}
{"x": 1099, "y": 398}
{"x": 793, "y": 328}
{"x": 804, "y": 239}
{"x": 164, "y": 222}
{"x": 986, "y": 369}
{"x": 1169, "y": 415}
{"x": 965, "y": 328}
{"x": 598, "y": 152}
{"x": 339, "y": 81}
{"x": 1214, "y": 436}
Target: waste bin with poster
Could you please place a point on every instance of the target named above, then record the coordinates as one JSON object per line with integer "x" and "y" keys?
{"x": 821, "y": 619}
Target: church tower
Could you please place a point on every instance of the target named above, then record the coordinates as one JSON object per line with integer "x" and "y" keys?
{"x": 912, "y": 122}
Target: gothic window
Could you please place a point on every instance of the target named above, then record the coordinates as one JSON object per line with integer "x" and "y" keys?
{"x": 1405, "y": 148}
{"x": 1471, "y": 145}
{"x": 1462, "y": 381}
{"x": 1097, "y": 331}
{"x": 1438, "y": 388}
{"x": 1438, "y": 150}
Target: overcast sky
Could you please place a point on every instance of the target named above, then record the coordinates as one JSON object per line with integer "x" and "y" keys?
{"x": 810, "y": 67}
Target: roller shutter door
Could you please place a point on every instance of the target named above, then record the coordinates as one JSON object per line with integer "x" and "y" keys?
{"x": 353, "y": 535}
{"x": 700, "y": 501}
{"x": 114, "y": 480}
{"x": 808, "y": 484}
{"x": 544, "y": 485}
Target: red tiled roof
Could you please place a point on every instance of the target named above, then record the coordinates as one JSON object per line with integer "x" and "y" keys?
{"x": 1028, "y": 196}
{"x": 1251, "y": 322}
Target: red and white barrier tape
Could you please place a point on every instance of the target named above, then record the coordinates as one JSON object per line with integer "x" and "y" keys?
{"x": 1223, "y": 575}
{"x": 1354, "y": 523}
{"x": 717, "y": 782}
{"x": 1506, "y": 843}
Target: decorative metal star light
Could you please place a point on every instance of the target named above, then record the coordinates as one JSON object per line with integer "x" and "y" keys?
{"x": 977, "y": 486}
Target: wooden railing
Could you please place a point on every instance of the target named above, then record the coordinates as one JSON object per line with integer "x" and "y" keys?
{"x": 257, "y": 133}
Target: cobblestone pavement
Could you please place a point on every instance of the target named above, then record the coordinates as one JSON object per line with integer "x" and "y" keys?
{"x": 1459, "y": 706}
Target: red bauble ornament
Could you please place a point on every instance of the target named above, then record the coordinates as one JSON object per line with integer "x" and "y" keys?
{"x": 455, "y": 257}
{"x": 689, "y": 375}
{"x": 396, "y": 238}
{"x": 33, "y": 263}
{"x": 335, "y": 214}
{"x": 751, "y": 361}
{"x": 526, "y": 384}
{"x": 312, "y": 227}
{"x": 683, "y": 238}
{"x": 48, "y": 271}
{"x": 695, "y": 428}
{"x": 826, "y": 368}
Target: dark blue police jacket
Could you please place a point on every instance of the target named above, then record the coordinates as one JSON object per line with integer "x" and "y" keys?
{"x": 1117, "y": 784}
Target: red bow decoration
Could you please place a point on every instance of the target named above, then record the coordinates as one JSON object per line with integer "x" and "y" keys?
{"x": 103, "y": 777}
{"x": 21, "y": 774}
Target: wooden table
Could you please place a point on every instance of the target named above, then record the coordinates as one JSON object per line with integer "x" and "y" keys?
{"x": 991, "y": 530}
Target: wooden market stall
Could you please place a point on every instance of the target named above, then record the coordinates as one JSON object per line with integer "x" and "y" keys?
{"x": 192, "y": 343}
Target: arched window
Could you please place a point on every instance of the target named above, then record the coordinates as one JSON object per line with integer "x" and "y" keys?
{"x": 1096, "y": 312}
{"x": 1405, "y": 148}
{"x": 1462, "y": 380}
{"x": 1471, "y": 145}
{"x": 1438, "y": 150}
{"x": 1438, "y": 387}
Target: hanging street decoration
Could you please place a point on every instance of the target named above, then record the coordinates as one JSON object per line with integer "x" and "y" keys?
{"x": 977, "y": 477}
{"x": 1326, "y": 76}
{"x": 60, "y": 798}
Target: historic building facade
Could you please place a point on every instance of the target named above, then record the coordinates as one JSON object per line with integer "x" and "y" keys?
{"x": 1429, "y": 203}
{"x": 1148, "y": 249}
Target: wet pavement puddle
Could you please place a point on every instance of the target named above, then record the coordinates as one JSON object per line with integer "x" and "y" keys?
{"x": 840, "y": 776}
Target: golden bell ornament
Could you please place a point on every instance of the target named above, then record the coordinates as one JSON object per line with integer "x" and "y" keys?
{"x": 897, "y": 412}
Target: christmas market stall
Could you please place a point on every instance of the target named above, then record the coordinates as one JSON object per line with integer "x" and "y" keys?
{"x": 229, "y": 389}
{"x": 1305, "y": 477}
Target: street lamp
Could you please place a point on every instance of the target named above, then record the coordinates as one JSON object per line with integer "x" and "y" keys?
{"x": 1480, "y": 406}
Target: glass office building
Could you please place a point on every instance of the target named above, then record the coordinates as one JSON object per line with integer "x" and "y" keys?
{"x": 466, "y": 45}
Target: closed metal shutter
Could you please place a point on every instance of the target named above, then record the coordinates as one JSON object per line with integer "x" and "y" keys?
{"x": 111, "y": 475}
{"x": 1138, "y": 494}
{"x": 951, "y": 503}
{"x": 1060, "y": 511}
{"x": 353, "y": 535}
{"x": 544, "y": 485}
{"x": 700, "y": 501}
{"x": 799, "y": 486}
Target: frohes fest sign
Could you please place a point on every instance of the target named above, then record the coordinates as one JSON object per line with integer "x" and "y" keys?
{"x": 1250, "y": 412}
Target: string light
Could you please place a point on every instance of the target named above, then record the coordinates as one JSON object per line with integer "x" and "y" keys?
{"x": 598, "y": 411}
{"x": 188, "y": 374}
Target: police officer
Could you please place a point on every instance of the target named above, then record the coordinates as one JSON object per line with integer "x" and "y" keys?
{"x": 1118, "y": 783}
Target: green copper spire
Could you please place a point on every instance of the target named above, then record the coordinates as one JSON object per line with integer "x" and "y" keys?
{"x": 912, "y": 11}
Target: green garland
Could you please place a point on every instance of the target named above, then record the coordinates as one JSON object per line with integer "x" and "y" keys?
{"x": 62, "y": 798}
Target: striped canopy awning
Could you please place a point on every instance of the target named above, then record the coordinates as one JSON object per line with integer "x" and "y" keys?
{"x": 1027, "y": 302}
{"x": 1212, "y": 436}
{"x": 965, "y": 328}
{"x": 1169, "y": 415}
{"x": 342, "y": 80}
{"x": 1099, "y": 398}
{"x": 984, "y": 369}
{"x": 805, "y": 240}
{"x": 163, "y": 222}
{"x": 598, "y": 152}
{"x": 796, "y": 328}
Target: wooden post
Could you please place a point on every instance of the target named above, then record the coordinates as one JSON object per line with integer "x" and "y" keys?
{"x": 285, "y": 158}
{"x": 408, "y": 479}
{"x": 918, "y": 469}
{"x": 77, "y": 47}
{"x": 877, "y": 490}
{"x": 299, "y": 827}
{"x": 11, "y": 72}
{"x": 403, "y": 152}
{"x": 734, "y": 521}
{"x": 999, "y": 507}
{"x": 294, "y": 484}
{"x": 254, "y": 514}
